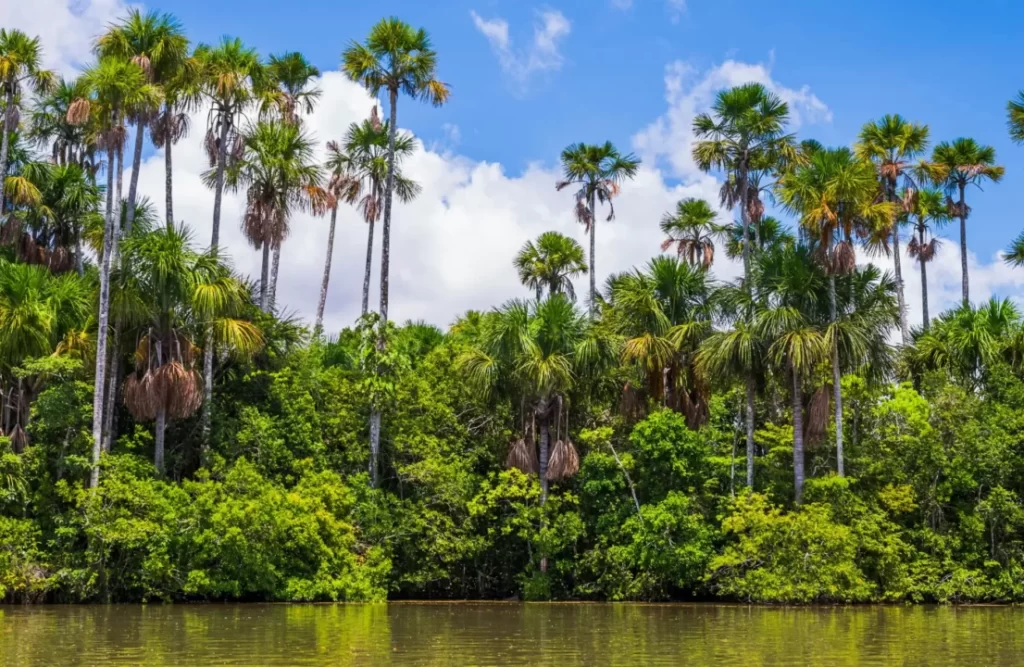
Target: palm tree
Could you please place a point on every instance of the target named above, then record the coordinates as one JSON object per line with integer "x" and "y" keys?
{"x": 599, "y": 171}
{"x": 115, "y": 86}
{"x": 395, "y": 58}
{"x": 232, "y": 78}
{"x": 361, "y": 163}
{"x": 50, "y": 127}
{"x": 744, "y": 132}
{"x": 692, "y": 230}
{"x": 1015, "y": 118}
{"x": 181, "y": 83}
{"x": 770, "y": 232}
{"x": 955, "y": 166}
{"x": 276, "y": 168}
{"x": 158, "y": 45}
{"x": 169, "y": 295}
{"x": 293, "y": 75}
{"x": 663, "y": 312}
{"x": 929, "y": 210}
{"x": 890, "y": 143}
{"x": 834, "y": 194}
{"x": 20, "y": 58}
{"x": 551, "y": 262}
{"x": 534, "y": 352}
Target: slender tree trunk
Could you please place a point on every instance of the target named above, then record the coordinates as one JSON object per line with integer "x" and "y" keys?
{"x": 837, "y": 389}
{"x": 369, "y": 264}
{"x": 111, "y": 398}
{"x": 798, "y": 437}
{"x": 374, "y": 444}
{"x": 218, "y": 193}
{"x": 133, "y": 183}
{"x": 319, "y": 327}
{"x": 924, "y": 283}
{"x": 629, "y": 480}
{"x": 5, "y": 144}
{"x": 159, "y": 430}
{"x": 265, "y": 277}
{"x": 963, "y": 247}
{"x": 119, "y": 204}
{"x": 168, "y": 171}
{"x": 750, "y": 430}
{"x": 901, "y": 300}
{"x": 593, "y": 267}
{"x": 208, "y": 347}
{"x": 745, "y": 221}
{"x": 102, "y": 324}
{"x": 275, "y": 267}
{"x": 79, "y": 259}
{"x": 385, "y": 253}
{"x": 545, "y": 444}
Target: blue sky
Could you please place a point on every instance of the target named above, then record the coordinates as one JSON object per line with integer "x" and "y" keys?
{"x": 529, "y": 78}
{"x": 934, "y": 62}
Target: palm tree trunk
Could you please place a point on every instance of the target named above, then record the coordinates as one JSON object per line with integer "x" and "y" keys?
{"x": 5, "y": 143}
{"x": 545, "y": 443}
{"x": 963, "y": 247}
{"x": 218, "y": 193}
{"x": 745, "y": 221}
{"x": 102, "y": 324}
{"x": 924, "y": 283}
{"x": 900, "y": 299}
{"x": 750, "y": 429}
{"x": 319, "y": 326}
{"x": 275, "y": 266}
{"x": 118, "y": 227}
{"x": 593, "y": 268}
{"x": 79, "y": 260}
{"x": 369, "y": 263}
{"x": 112, "y": 386}
{"x": 837, "y": 389}
{"x": 133, "y": 183}
{"x": 374, "y": 444}
{"x": 385, "y": 252}
{"x": 798, "y": 437}
{"x": 159, "y": 430}
{"x": 265, "y": 277}
{"x": 168, "y": 172}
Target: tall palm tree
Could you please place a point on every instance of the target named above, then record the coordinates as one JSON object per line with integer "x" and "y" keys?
{"x": 551, "y": 262}
{"x": 20, "y": 68}
{"x": 692, "y": 229}
{"x": 293, "y": 77}
{"x": 955, "y": 166}
{"x": 50, "y": 127}
{"x": 599, "y": 171}
{"x": 116, "y": 86}
{"x": 770, "y": 232}
{"x": 361, "y": 162}
{"x": 169, "y": 295}
{"x": 279, "y": 174}
{"x": 891, "y": 143}
{"x": 181, "y": 83}
{"x": 929, "y": 211}
{"x": 233, "y": 79}
{"x": 663, "y": 313}
{"x": 395, "y": 58}
{"x": 158, "y": 45}
{"x": 835, "y": 196}
{"x": 1015, "y": 118}
{"x": 745, "y": 131}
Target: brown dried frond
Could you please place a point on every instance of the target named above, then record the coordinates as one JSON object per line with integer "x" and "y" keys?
{"x": 210, "y": 143}
{"x": 141, "y": 395}
{"x": 844, "y": 258}
{"x": 182, "y": 387}
{"x": 817, "y": 415}
{"x": 755, "y": 207}
{"x": 237, "y": 148}
{"x": 78, "y": 112}
{"x": 522, "y": 456}
{"x": 374, "y": 118}
{"x": 709, "y": 255}
{"x": 19, "y": 439}
{"x": 145, "y": 65}
{"x": 564, "y": 461}
{"x": 631, "y": 403}
{"x": 891, "y": 170}
{"x": 957, "y": 209}
{"x": 12, "y": 231}
{"x": 583, "y": 214}
{"x": 13, "y": 116}
{"x": 59, "y": 260}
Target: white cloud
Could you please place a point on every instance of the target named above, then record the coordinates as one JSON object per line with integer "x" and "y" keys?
{"x": 543, "y": 54}
{"x": 669, "y": 139}
{"x": 675, "y": 8}
{"x": 66, "y": 28}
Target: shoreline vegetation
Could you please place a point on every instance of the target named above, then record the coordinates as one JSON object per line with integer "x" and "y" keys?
{"x": 167, "y": 433}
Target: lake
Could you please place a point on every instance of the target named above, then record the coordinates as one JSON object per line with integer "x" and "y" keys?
{"x": 467, "y": 634}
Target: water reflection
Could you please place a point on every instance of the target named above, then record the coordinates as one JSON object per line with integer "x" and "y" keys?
{"x": 505, "y": 634}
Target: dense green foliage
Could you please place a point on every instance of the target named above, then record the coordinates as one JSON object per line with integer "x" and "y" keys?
{"x": 167, "y": 434}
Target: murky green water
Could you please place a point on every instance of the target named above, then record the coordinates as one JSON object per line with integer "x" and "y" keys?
{"x": 509, "y": 634}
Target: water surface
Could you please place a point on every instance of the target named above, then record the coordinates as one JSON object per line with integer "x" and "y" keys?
{"x": 467, "y": 634}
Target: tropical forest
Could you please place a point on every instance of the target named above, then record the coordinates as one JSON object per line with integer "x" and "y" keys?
{"x": 172, "y": 431}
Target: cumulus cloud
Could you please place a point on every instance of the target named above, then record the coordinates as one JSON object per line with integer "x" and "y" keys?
{"x": 66, "y": 28}
{"x": 669, "y": 139}
{"x": 543, "y": 54}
